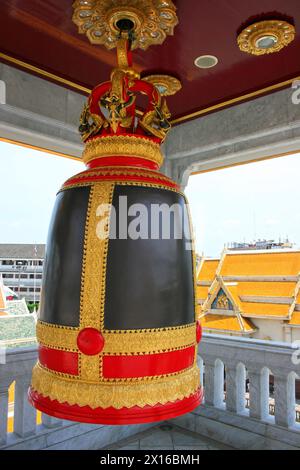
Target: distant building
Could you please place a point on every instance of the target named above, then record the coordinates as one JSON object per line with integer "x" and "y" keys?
{"x": 21, "y": 267}
{"x": 251, "y": 293}
{"x": 261, "y": 245}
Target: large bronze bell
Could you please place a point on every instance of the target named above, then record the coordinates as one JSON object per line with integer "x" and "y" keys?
{"x": 117, "y": 330}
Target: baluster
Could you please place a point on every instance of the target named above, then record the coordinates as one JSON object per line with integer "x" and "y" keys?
{"x": 219, "y": 384}
{"x": 231, "y": 389}
{"x": 209, "y": 383}
{"x": 4, "y": 385}
{"x": 24, "y": 413}
{"x": 240, "y": 388}
{"x": 259, "y": 393}
{"x": 284, "y": 399}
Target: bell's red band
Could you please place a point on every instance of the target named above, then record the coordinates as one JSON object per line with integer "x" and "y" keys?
{"x": 148, "y": 365}
{"x": 122, "y": 161}
{"x": 60, "y": 361}
{"x": 112, "y": 177}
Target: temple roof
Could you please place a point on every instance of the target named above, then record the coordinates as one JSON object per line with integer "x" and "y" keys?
{"x": 249, "y": 284}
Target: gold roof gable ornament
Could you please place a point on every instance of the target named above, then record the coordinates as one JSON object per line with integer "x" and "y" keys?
{"x": 266, "y": 37}
{"x": 151, "y": 21}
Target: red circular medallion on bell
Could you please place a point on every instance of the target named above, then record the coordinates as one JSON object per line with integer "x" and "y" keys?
{"x": 198, "y": 332}
{"x": 90, "y": 341}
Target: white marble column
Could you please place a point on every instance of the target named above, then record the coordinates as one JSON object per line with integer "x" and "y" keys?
{"x": 231, "y": 389}
{"x": 209, "y": 383}
{"x": 219, "y": 384}
{"x": 241, "y": 388}
{"x": 24, "y": 413}
{"x": 259, "y": 393}
{"x": 284, "y": 399}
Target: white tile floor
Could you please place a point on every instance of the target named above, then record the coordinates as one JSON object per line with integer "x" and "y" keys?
{"x": 168, "y": 437}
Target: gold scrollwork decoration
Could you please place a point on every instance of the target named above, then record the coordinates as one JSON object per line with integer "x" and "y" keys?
{"x": 121, "y": 341}
{"x": 126, "y": 146}
{"x": 141, "y": 184}
{"x": 94, "y": 258}
{"x": 161, "y": 390}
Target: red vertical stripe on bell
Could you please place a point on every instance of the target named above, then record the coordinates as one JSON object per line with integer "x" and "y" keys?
{"x": 60, "y": 361}
{"x": 148, "y": 364}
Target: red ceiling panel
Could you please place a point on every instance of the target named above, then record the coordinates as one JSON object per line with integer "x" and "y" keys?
{"x": 41, "y": 33}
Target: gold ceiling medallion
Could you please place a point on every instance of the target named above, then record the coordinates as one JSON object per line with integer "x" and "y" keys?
{"x": 150, "y": 21}
{"x": 266, "y": 37}
{"x": 166, "y": 84}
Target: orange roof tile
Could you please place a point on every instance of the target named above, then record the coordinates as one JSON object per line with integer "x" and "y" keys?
{"x": 226, "y": 323}
{"x": 233, "y": 290}
{"x": 295, "y": 320}
{"x": 202, "y": 292}
{"x": 271, "y": 289}
{"x": 264, "y": 264}
{"x": 208, "y": 269}
{"x": 265, "y": 309}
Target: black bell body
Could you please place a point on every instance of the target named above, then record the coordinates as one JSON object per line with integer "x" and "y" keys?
{"x": 117, "y": 330}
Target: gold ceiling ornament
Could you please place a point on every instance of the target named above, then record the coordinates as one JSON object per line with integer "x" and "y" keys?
{"x": 148, "y": 21}
{"x": 166, "y": 84}
{"x": 266, "y": 37}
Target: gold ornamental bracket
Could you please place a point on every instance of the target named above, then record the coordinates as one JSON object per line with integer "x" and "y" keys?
{"x": 266, "y": 37}
{"x": 148, "y": 21}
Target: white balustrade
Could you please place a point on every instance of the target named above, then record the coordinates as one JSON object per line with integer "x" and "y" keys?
{"x": 243, "y": 390}
{"x": 225, "y": 364}
{"x": 16, "y": 367}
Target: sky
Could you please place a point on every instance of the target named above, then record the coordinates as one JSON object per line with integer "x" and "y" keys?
{"x": 242, "y": 203}
{"x": 254, "y": 201}
{"x": 28, "y": 185}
